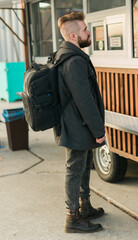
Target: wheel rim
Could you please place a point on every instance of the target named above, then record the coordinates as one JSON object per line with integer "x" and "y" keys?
{"x": 103, "y": 159}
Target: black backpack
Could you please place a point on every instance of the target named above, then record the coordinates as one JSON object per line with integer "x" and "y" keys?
{"x": 40, "y": 94}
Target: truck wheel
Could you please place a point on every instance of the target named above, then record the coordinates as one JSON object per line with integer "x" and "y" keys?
{"x": 110, "y": 166}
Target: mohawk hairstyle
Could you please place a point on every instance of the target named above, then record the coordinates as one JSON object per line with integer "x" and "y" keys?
{"x": 71, "y": 17}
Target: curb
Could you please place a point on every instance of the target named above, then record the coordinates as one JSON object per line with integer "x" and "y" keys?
{"x": 116, "y": 204}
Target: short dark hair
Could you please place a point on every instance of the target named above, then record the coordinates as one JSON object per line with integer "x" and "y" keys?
{"x": 71, "y": 17}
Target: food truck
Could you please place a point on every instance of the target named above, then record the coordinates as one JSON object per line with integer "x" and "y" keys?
{"x": 114, "y": 53}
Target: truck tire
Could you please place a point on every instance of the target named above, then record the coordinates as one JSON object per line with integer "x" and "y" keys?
{"x": 110, "y": 166}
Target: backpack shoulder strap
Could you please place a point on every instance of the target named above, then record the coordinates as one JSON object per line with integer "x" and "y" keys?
{"x": 51, "y": 58}
{"x": 35, "y": 66}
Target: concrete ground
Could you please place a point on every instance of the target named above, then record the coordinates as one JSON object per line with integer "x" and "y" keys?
{"x": 32, "y": 193}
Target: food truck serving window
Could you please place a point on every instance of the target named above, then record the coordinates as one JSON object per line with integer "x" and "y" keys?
{"x": 94, "y": 5}
{"x": 108, "y": 35}
{"x": 114, "y": 32}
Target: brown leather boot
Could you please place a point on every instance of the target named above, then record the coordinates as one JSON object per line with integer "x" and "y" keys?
{"x": 76, "y": 224}
{"x": 87, "y": 211}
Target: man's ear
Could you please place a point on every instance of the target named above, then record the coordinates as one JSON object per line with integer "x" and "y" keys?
{"x": 73, "y": 36}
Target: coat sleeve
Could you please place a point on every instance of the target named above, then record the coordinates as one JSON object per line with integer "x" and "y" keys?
{"x": 76, "y": 77}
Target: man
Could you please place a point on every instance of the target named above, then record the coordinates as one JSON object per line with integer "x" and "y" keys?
{"x": 82, "y": 122}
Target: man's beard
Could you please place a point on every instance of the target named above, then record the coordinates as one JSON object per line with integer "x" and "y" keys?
{"x": 84, "y": 43}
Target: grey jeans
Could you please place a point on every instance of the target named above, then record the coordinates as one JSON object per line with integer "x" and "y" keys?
{"x": 77, "y": 176}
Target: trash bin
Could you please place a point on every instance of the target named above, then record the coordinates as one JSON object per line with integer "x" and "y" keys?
{"x": 17, "y": 128}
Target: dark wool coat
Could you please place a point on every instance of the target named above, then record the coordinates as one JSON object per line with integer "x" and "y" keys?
{"x": 83, "y": 118}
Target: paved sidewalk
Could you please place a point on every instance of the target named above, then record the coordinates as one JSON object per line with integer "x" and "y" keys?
{"x": 32, "y": 194}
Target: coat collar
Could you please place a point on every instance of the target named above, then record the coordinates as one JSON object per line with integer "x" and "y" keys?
{"x": 65, "y": 45}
